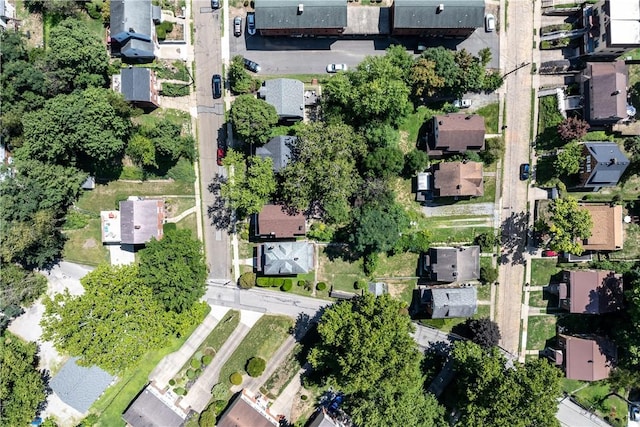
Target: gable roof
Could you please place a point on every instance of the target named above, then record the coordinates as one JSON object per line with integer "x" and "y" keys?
{"x": 278, "y": 149}
{"x": 606, "y": 91}
{"x": 452, "y": 302}
{"x": 593, "y": 291}
{"x": 322, "y": 419}
{"x": 148, "y": 410}
{"x": 457, "y": 133}
{"x": 286, "y": 258}
{"x": 277, "y": 14}
{"x": 286, "y": 95}
{"x": 135, "y": 84}
{"x": 246, "y": 412}
{"x": 603, "y": 164}
{"x": 458, "y": 179}
{"x": 425, "y": 14}
{"x": 80, "y": 386}
{"x": 130, "y": 16}
{"x": 446, "y": 264}
{"x": 140, "y": 220}
{"x": 588, "y": 359}
{"x": 607, "y": 230}
{"x": 274, "y": 221}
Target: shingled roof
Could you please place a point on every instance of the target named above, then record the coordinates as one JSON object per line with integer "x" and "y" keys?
{"x": 80, "y": 386}
{"x": 592, "y": 291}
{"x": 458, "y": 179}
{"x": 277, "y": 14}
{"x": 135, "y": 85}
{"x": 278, "y": 149}
{"x": 246, "y": 412}
{"x": 456, "y": 133}
{"x": 131, "y": 28}
{"x": 425, "y": 14}
{"x": 140, "y": 220}
{"x": 446, "y": 264}
{"x": 605, "y": 91}
{"x": 607, "y": 230}
{"x": 286, "y": 258}
{"x": 287, "y": 97}
{"x": 275, "y": 222}
{"x": 587, "y": 359}
{"x": 148, "y": 410}
{"x": 602, "y": 165}
{"x": 451, "y": 302}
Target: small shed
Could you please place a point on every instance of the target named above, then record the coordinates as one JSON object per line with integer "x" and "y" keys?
{"x": 378, "y": 288}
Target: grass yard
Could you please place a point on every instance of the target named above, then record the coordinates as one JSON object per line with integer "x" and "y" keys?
{"x": 304, "y": 78}
{"x": 447, "y": 325}
{"x": 337, "y": 272}
{"x": 491, "y": 114}
{"x": 402, "y": 289}
{"x": 539, "y": 330}
{"x": 104, "y": 197}
{"x": 542, "y": 270}
{"x": 548, "y": 119}
{"x": 180, "y": 118}
{"x": 189, "y": 222}
{"x": 283, "y": 375}
{"x": 628, "y": 191}
{"x": 542, "y": 299}
{"x": 612, "y": 408}
{"x": 266, "y": 336}
{"x": 631, "y": 248}
{"x": 84, "y": 246}
{"x": 398, "y": 265}
{"x": 245, "y": 249}
{"x": 110, "y": 406}
{"x": 414, "y": 127}
{"x": 177, "y": 205}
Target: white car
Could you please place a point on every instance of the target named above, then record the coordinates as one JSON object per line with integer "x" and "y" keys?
{"x": 489, "y": 23}
{"x": 462, "y": 103}
{"x": 334, "y": 68}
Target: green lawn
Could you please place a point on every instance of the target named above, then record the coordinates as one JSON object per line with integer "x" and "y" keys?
{"x": 612, "y": 409}
{"x": 178, "y": 117}
{"x": 413, "y": 127}
{"x": 84, "y": 246}
{"x": 542, "y": 270}
{"x": 491, "y": 114}
{"x": 399, "y": 265}
{"x": 337, "y": 272}
{"x": 542, "y": 299}
{"x": 402, "y": 289}
{"x": 266, "y": 336}
{"x": 539, "y": 330}
{"x": 117, "y": 397}
{"x": 548, "y": 119}
{"x": 189, "y": 222}
{"x": 177, "y": 205}
{"x": 304, "y": 78}
{"x": 631, "y": 248}
{"x": 569, "y": 386}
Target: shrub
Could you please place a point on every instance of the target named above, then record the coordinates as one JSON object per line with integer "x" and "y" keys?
{"x": 488, "y": 275}
{"x": 198, "y": 372}
{"x": 169, "y": 226}
{"x": 359, "y": 284}
{"x": 220, "y": 392}
{"x": 247, "y": 280}
{"x": 301, "y": 282}
{"x": 263, "y": 282}
{"x": 288, "y": 284}
{"x": 206, "y": 359}
{"x": 304, "y": 397}
{"x": 321, "y": 232}
{"x": 175, "y": 89}
{"x": 486, "y": 241}
{"x": 321, "y": 286}
{"x": 182, "y": 171}
{"x": 172, "y": 382}
{"x": 370, "y": 263}
{"x": 195, "y": 363}
{"x": 236, "y": 378}
{"x": 572, "y": 128}
{"x": 76, "y": 220}
{"x": 415, "y": 161}
{"x": 256, "y": 366}
{"x": 180, "y": 391}
{"x": 208, "y": 416}
{"x": 191, "y": 374}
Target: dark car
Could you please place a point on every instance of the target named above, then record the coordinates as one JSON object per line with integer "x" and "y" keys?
{"x": 251, "y": 66}
{"x": 237, "y": 26}
{"x": 215, "y": 4}
{"x": 220, "y": 154}
{"x": 525, "y": 169}
{"x": 251, "y": 23}
{"x": 216, "y": 86}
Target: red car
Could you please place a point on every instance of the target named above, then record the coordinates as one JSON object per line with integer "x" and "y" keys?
{"x": 221, "y": 154}
{"x": 549, "y": 253}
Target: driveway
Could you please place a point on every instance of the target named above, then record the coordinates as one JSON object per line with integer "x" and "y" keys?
{"x": 471, "y": 209}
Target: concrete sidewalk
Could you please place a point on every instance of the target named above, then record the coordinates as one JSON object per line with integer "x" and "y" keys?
{"x": 283, "y": 404}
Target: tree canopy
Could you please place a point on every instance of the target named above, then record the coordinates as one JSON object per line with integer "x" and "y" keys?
{"x": 239, "y": 79}
{"x": 568, "y": 223}
{"x": 568, "y": 160}
{"x": 572, "y": 128}
{"x": 377, "y": 227}
{"x": 174, "y": 269}
{"x": 18, "y": 287}
{"x": 253, "y": 119}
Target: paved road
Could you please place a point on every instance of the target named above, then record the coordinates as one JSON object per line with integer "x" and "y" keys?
{"x": 210, "y": 130}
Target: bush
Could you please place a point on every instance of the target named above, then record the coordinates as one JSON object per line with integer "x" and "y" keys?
{"x": 359, "y": 284}
{"x": 486, "y": 241}
{"x": 191, "y": 374}
{"x": 235, "y": 378}
{"x": 182, "y": 171}
{"x": 263, "y": 282}
{"x": 277, "y": 282}
{"x": 488, "y": 275}
{"x": 288, "y": 284}
{"x": 321, "y": 286}
{"x": 417, "y": 242}
{"x": 206, "y": 359}
{"x": 75, "y": 220}
{"x": 208, "y": 416}
{"x": 256, "y": 366}
{"x": 172, "y": 382}
{"x": 302, "y": 282}
{"x": 180, "y": 391}
{"x": 169, "y": 226}
{"x": 195, "y": 363}
{"x": 198, "y": 372}
{"x": 175, "y": 89}
{"x": 494, "y": 150}
{"x": 415, "y": 161}
{"x": 247, "y": 280}
{"x": 321, "y": 232}
{"x": 370, "y": 263}
{"x": 304, "y": 397}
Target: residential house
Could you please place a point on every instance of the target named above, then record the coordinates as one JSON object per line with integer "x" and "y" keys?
{"x": 285, "y": 258}
{"x": 132, "y": 30}
{"x": 150, "y": 408}
{"x": 80, "y": 386}
{"x": 604, "y": 92}
{"x": 434, "y": 18}
{"x": 138, "y": 86}
{"x": 322, "y": 418}
{"x": 584, "y": 358}
{"x": 607, "y": 230}
{"x": 457, "y": 179}
{"x": 378, "y": 288}
{"x": 455, "y": 134}
{"x": 602, "y": 165}
{"x": 137, "y": 222}
{"x": 7, "y": 13}
{"x": 301, "y": 17}
{"x": 446, "y": 264}
{"x": 246, "y": 411}
{"x": 589, "y": 291}
{"x": 276, "y": 222}
{"x": 287, "y": 96}
{"x": 278, "y": 149}
{"x": 445, "y": 303}
{"x": 612, "y": 28}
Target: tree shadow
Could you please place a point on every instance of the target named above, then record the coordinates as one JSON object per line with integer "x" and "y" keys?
{"x": 219, "y": 212}
{"x": 514, "y": 238}
{"x": 341, "y": 251}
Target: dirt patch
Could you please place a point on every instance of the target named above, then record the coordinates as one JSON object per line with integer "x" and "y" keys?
{"x": 404, "y": 142}
{"x": 31, "y": 24}
{"x": 302, "y": 409}
{"x": 395, "y": 290}
{"x": 90, "y": 243}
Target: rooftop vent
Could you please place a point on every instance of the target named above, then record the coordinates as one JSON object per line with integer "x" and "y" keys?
{"x": 468, "y": 118}
{"x": 300, "y": 8}
{"x": 617, "y": 92}
{"x": 137, "y": 227}
{"x": 440, "y": 8}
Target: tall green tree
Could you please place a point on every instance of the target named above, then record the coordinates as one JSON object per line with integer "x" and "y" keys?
{"x": 378, "y": 227}
{"x": 239, "y": 79}
{"x": 253, "y": 118}
{"x": 445, "y": 64}
{"x": 568, "y": 160}
{"x": 569, "y": 223}
{"x": 174, "y": 268}
{"x": 22, "y": 388}
{"x": 424, "y": 78}
{"x": 384, "y": 162}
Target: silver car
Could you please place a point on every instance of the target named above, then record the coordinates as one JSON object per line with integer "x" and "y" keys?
{"x": 334, "y": 68}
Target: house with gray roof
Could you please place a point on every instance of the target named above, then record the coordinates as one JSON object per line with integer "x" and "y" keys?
{"x": 604, "y": 90}
{"x": 612, "y": 28}
{"x": 80, "y": 386}
{"x": 286, "y": 96}
{"x": 602, "y": 165}
{"x": 278, "y": 149}
{"x": 132, "y": 30}
{"x": 300, "y": 17}
{"x": 446, "y": 264}
{"x": 7, "y": 13}
{"x": 140, "y": 221}
{"x": 378, "y": 288}
{"x": 444, "y": 303}
{"x": 285, "y": 258}
{"x": 432, "y": 18}
{"x": 149, "y": 409}
{"x": 138, "y": 86}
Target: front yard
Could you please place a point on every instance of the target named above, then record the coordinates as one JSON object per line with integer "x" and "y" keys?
{"x": 540, "y": 330}
{"x": 543, "y": 270}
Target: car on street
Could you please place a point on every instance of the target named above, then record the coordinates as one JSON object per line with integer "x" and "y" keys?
{"x": 525, "y": 170}
{"x": 237, "y": 26}
{"x": 334, "y": 68}
{"x": 251, "y": 23}
{"x": 216, "y": 86}
{"x": 251, "y": 66}
{"x": 222, "y": 151}
{"x": 462, "y": 103}
{"x": 549, "y": 253}
{"x": 489, "y": 22}
{"x": 215, "y": 4}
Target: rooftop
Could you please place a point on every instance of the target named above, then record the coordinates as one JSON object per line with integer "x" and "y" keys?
{"x": 141, "y": 220}
{"x": 604, "y": 163}
{"x": 135, "y": 84}
{"x": 458, "y": 179}
{"x": 274, "y": 221}
{"x": 286, "y": 95}
{"x": 452, "y": 302}
{"x": 276, "y": 14}
{"x": 427, "y": 14}
{"x": 80, "y": 386}
{"x": 245, "y": 411}
{"x": 606, "y": 91}
{"x": 594, "y": 291}
{"x": 588, "y": 359}
{"x": 625, "y": 22}
{"x": 286, "y": 258}
{"x": 447, "y": 264}
{"x": 607, "y": 230}
{"x": 278, "y": 149}
{"x": 457, "y": 133}
{"x": 149, "y": 410}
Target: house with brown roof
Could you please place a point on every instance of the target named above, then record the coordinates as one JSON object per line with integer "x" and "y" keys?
{"x": 455, "y": 134}
{"x": 584, "y": 358}
{"x": 604, "y": 89}
{"x": 457, "y": 179}
{"x": 277, "y": 222}
{"x": 589, "y": 291}
{"x": 607, "y": 230}
{"x": 246, "y": 411}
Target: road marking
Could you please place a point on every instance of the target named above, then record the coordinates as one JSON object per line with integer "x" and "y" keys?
{"x": 218, "y": 235}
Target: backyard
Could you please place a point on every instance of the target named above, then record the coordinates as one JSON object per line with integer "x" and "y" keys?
{"x": 540, "y": 330}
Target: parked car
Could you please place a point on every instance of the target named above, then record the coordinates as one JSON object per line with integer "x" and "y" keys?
{"x": 251, "y": 66}
{"x": 489, "y": 22}
{"x": 237, "y": 26}
{"x": 222, "y": 151}
{"x": 525, "y": 169}
{"x": 216, "y": 86}
{"x": 215, "y": 4}
{"x": 462, "y": 103}
{"x": 334, "y": 68}
{"x": 549, "y": 253}
{"x": 251, "y": 23}
{"x": 634, "y": 413}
